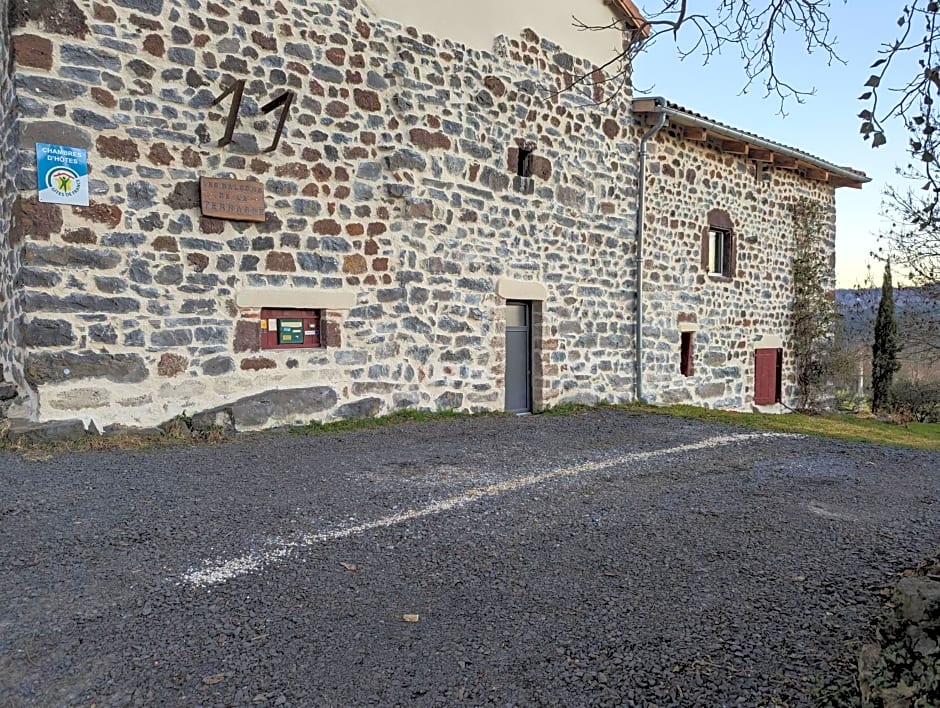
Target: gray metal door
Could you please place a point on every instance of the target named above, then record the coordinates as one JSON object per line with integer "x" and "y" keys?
{"x": 518, "y": 357}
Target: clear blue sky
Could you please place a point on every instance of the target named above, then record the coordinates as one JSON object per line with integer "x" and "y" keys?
{"x": 824, "y": 125}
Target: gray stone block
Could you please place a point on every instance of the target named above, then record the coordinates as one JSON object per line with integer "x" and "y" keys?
{"x": 366, "y": 408}
{"x": 55, "y": 367}
{"x": 103, "y": 333}
{"x": 69, "y": 256}
{"x": 218, "y": 365}
{"x": 47, "y": 333}
{"x": 141, "y": 195}
{"x": 449, "y": 401}
{"x": 315, "y": 263}
{"x": 150, "y": 7}
{"x": 78, "y": 302}
{"x": 53, "y": 132}
{"x": 90, "y": 119}
{"x": 213, "y": 420}
{"x": 169, "y": 275}
{"x": 324, "y": 73}
{"x": 181, "y": 55}
{"x": 26, "y": 431}
{"x": 281, "y": 404}
{"x": 86, "y": 56}
{"x": 49, "y": 87}
{"x": 171, "y": 338}
{"x": 350, "y": 358}
{"x": 918, "y": 600}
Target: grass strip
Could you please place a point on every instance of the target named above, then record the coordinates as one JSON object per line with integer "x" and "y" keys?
{"x": 840, "y": 426}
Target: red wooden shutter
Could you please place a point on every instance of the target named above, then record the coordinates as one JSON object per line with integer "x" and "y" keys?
{"x": 765, "y": 377}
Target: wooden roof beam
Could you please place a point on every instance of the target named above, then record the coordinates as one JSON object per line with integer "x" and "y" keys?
{"x": 784, "y": 161}
{"x": 813, "y": 172}
{"x": 735, "y": 147}
{"x": 695, "y": 133}
{"x": 842, "y": 182}
{"x": 761, "y": 155}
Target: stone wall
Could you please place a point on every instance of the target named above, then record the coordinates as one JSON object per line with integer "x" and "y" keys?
{"x": 11, "y": 355}
{"x": 687, "y": 180}
{"x": 394, "y": 184}
{"x": 902, "y": 666}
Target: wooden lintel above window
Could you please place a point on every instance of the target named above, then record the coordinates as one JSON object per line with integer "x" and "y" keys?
{"x": 695, "y": 133}
{"x": 784, "y": 161}
{"x": 761, "y": 155}
{"x": 735, "y": 147}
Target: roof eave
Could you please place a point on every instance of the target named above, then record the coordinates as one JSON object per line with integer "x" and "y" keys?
{"x": 632, "y": 13}
{"x": 845, "y": 176}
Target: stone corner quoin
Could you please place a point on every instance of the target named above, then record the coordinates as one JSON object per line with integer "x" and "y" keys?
{"x": 417, "y": 183}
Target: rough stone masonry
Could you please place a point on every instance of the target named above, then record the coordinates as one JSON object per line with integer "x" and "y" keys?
{"x": 395, "y": 207}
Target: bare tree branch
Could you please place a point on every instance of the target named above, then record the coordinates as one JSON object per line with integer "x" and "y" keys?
{"x": 752, "y": 29}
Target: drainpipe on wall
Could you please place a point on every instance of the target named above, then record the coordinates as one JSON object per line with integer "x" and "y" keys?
{"x": 640, "y": 217}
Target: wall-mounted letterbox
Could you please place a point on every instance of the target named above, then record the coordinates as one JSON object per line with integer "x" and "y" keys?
{"x": 290, "y": 329}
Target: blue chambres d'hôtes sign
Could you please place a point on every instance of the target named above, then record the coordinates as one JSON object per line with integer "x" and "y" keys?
{"x": 62, "y": 174}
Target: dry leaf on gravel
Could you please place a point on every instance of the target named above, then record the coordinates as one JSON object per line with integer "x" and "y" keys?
{"x": 214, "y": 679}
{"x": 351, "y": 567}
{"x": 411, "y": 618}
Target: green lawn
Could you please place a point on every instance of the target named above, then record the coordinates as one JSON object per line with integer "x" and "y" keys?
{"x": 925, "y": 436}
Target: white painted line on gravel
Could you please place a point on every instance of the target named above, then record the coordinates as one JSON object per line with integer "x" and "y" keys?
{"x": 215, "y": 573}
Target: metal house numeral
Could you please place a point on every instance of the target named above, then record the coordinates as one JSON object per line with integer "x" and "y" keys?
{"x": 285, "y": 100}
{"x": 236, "y": 90}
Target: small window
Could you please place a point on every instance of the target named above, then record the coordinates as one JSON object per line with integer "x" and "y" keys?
{"x": 685, "y": 360}
{"x": 719, "y": 252}
{"x": 290, "y": 329}
{"x": 524, "y": 165}
{"x": 719, "y": 247}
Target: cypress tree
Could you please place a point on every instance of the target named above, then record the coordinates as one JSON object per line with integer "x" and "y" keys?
{"x": 884, "y": 351}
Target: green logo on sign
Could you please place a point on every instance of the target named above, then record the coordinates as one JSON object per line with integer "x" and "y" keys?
{"x": 63, "y": 181}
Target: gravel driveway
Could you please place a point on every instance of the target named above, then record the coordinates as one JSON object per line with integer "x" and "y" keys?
{"x": 603, "y": 558}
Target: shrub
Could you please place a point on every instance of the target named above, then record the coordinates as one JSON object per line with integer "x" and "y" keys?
{"x": 919, "y": 399}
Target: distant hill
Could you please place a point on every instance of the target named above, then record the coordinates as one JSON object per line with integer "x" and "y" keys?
{"x": 912, "y": 306}
{"x": 917, "y": 311}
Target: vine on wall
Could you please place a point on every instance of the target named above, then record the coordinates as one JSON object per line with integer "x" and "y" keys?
{"x": 814, "y": 307}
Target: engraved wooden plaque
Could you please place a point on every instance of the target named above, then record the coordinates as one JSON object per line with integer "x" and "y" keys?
{"x": 234, "y": 199}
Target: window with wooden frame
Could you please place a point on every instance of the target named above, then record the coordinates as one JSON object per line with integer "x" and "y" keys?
{"x": 290, "y": 329}
{"x": 719, "y": 251}
{"x": 686, "y": 367}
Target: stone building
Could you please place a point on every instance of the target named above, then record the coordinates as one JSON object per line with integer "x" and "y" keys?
{"x": 442, "y": 223}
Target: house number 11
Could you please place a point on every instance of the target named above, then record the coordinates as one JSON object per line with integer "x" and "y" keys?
{"x": 237, "y": 90}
